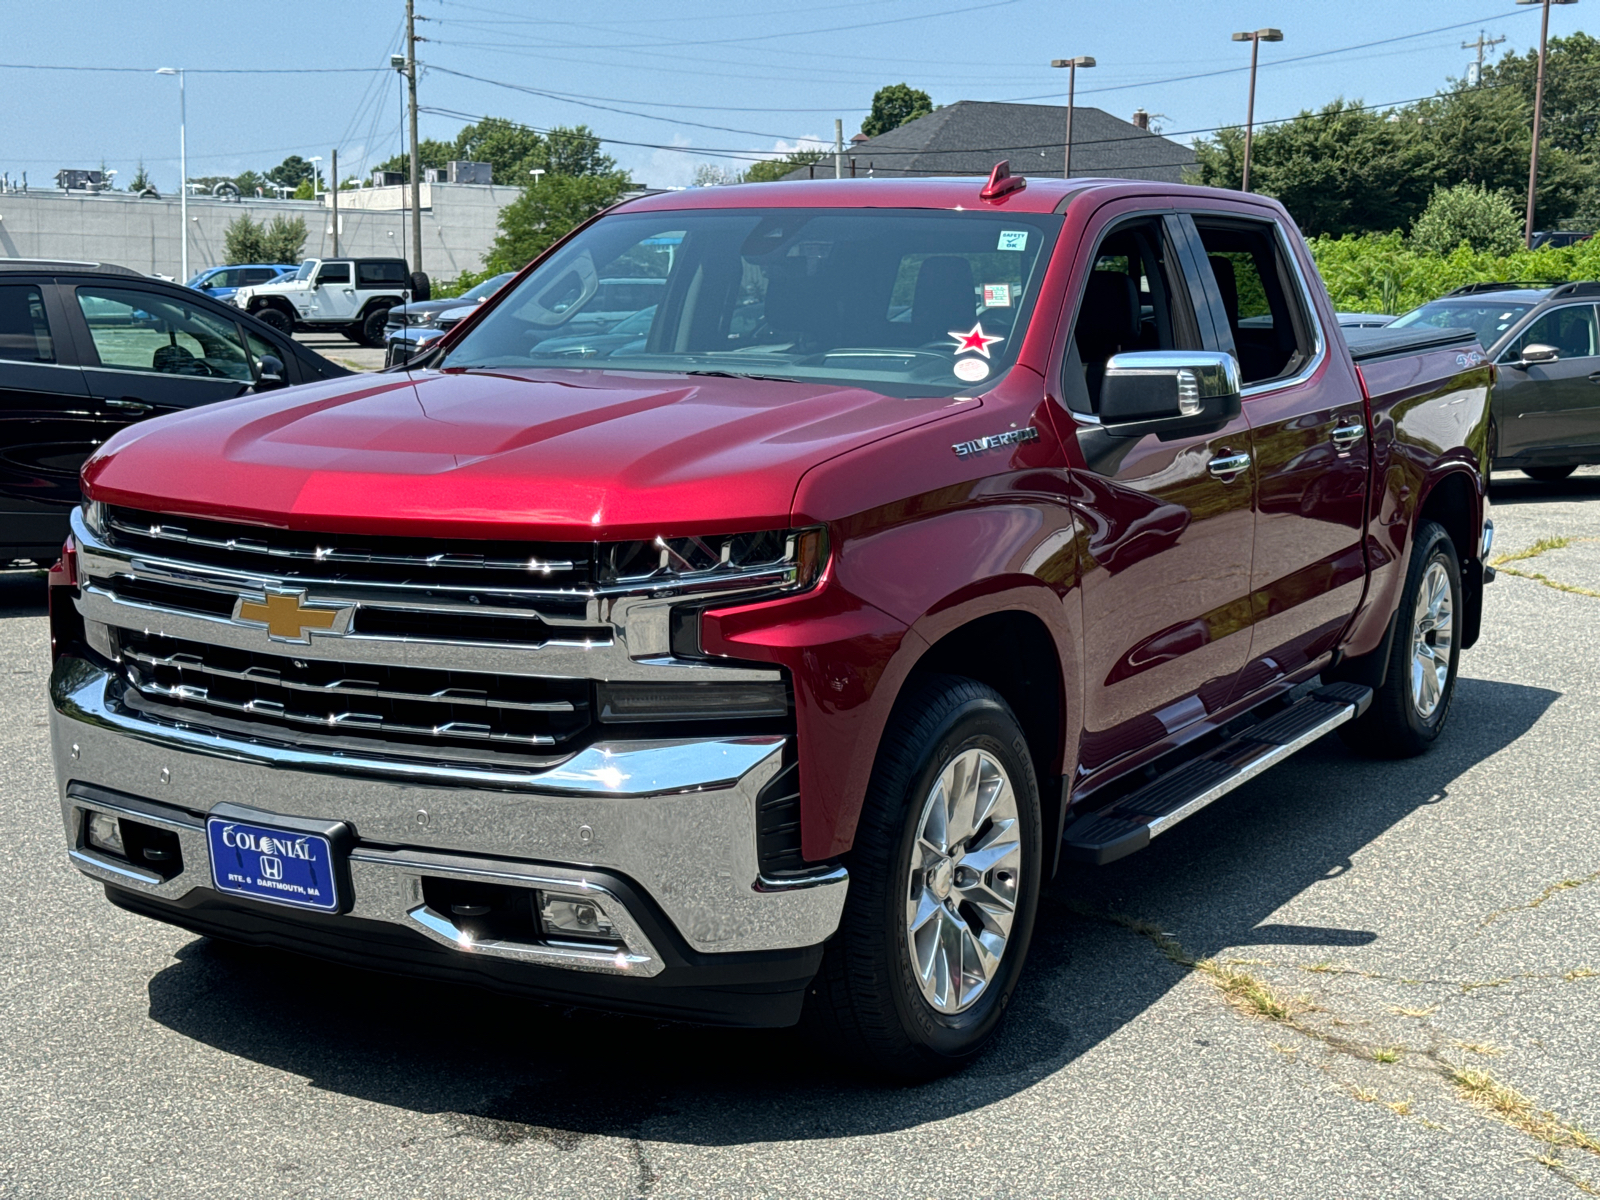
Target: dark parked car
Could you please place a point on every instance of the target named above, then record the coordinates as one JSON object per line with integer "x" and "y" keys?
{"x": 1559, "y": 237}
{"x": 1545, "y": 338}
{"x": 88, "y": 348}
{"x": 424, "y": 314}
{"x": 222, "y": 282}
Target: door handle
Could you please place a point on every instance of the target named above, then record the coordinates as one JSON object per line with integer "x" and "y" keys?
{"x": 1345, "y": 436}
{"x": 1226, "y": 467}
{"x": 129, "y": 404}
{"x": 1595, "y": 378}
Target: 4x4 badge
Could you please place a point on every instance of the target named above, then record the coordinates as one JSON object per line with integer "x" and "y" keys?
{"x": 286, "y": 617}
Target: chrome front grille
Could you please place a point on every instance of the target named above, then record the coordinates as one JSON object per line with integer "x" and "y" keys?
{"x": 403, "y": 706}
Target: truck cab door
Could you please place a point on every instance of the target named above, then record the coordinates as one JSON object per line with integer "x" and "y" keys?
{"x": 1169, "y": 517}
{"x": 1308, "y": 424}
{"x": 151, "y": 353}
{"x": 334, "y": 293}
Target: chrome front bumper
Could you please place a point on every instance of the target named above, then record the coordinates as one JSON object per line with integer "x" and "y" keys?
{"x": 676, "y": 818}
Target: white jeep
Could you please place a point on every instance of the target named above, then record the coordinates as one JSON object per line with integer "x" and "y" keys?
{"x": 350, "y": 296}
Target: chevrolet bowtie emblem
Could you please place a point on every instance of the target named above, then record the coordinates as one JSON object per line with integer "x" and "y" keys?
{"x": 286, "y": 618}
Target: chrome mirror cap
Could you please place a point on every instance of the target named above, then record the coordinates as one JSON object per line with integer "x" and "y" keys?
{"x": 1538, "y": 352}
{"x": 1202, "y": 374}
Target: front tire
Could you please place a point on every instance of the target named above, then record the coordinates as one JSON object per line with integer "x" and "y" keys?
{"x": 1410, "y": 707}
{"x": 945, "y": 875}
{"x": 1548, "y": 474}
{"x": 276, "y": 318}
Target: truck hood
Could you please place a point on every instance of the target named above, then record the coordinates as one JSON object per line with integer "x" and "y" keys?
{"x": 559, "y": 454}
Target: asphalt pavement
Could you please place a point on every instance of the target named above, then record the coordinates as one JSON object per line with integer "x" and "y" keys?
{"x": 1346, "y": 979}
{"x": 342, "y": 350}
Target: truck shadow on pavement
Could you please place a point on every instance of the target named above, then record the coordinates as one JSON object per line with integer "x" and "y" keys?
{"x": 507, "y": 1071}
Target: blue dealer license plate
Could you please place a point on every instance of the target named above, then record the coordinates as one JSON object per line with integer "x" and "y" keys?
{"x": 272, "y": 864}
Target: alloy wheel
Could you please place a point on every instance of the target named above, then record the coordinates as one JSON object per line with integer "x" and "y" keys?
{"x": 961, "y": 896}
{"x": 1432, "y": 637}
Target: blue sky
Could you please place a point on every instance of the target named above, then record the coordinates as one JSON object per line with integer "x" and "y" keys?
{"x": 684, "y": 83}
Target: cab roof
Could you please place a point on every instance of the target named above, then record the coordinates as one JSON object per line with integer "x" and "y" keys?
{"x": 1041, "y": 195}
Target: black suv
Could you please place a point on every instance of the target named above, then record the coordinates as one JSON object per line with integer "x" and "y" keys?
{"x": 1545, "y": 338}
{"x": 89, "y": 348}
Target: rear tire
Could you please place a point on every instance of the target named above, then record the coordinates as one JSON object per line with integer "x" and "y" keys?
{"x": 945, "y": 875}
{"x": 1548, "y": 474}
{"x": 1411, "y": 704}
{"x": 372, "y": 327}
{"x": 276, "y": 318}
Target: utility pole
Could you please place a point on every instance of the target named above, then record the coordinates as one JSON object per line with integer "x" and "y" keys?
{"x": 1538, "y": 113}
{"x": 183, "y": 167}
{"x": 1072, "y": 65}
{"x": 334, "y": 197}
{"x": 838, "y": 148}
{"x": 1255, "y": 39}
{"x": 1475, "y": 75}
{"x": 416, "y": 174}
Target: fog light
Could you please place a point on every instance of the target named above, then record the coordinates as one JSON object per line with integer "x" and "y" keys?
{"x": 575, "y": 916}
{"x": 105, "y": 833}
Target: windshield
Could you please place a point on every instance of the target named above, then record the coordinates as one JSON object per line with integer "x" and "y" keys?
{"x": 307, "y": 269}
{"x": 487, "y": 288}
{"x": 902, "y": 301}
{"x": 1489, "y": 321}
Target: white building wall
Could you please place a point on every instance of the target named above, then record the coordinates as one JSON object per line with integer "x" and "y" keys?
{"x": 458, "y": 225}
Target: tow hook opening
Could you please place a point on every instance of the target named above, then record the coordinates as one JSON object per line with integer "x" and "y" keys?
{"x": 134, "y": 842}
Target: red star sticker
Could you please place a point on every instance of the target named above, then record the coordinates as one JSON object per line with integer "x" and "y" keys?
{"x": 974, "y": 339}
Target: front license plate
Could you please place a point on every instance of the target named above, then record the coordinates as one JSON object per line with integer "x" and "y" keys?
{"x": 272, "y": 864}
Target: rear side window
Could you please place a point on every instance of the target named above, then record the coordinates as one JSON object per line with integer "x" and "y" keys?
{"x": 1570, "y": 330}
{"x": 259, "y": 275}
{"x": 1267, "y": 314}
{"x": 380, "y": 274}
{"x": 146, "y": 331}
{"x": 24, "y": 329}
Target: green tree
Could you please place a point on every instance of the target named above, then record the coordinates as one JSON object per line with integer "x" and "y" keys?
{"x": 511, "y": 150}
{"x": 248, "y": 181}
{"x": 244, "y": 241}
{"x": 305, "y": 191}
{"x": 575, "y": 150}
{"x": 893, "y": 106}
{"x": 770, "y": 170}
{"x": 1571, "y": 91}
{"x": 290, "y": 172}
{"x": 1469, "y": 214}
{"x": 545, "y": 212}
{"x": 141, "y": 181}
{"x": 430, "y": 153}
{"x": 283, "y": 241}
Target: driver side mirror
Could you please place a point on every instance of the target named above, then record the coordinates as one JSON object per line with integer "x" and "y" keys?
{"x": 1537, "y": 352}
{"x": 269, "y": 372}
{"x": 1169, "y": 391}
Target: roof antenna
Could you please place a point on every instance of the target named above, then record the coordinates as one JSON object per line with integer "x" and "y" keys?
{"x": 1002, "y": 182}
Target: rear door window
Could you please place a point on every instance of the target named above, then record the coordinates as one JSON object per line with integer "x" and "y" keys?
{"x": 24, "y": 328}
{"x": 1267, "y": 314}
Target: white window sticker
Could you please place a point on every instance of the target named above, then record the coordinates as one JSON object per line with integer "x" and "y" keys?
{"x": 997, "y": 295}
{"x": 1013, "y": 239}
{"x": 971, "y": 369}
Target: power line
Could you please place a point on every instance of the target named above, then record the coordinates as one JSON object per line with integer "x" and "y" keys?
{"x": 197, "y": 70}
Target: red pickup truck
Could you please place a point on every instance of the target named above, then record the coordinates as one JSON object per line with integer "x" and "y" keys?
{"x": 762, "y": 660}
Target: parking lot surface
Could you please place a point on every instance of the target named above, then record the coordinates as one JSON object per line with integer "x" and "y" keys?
{"x": 341, "y": 350}
{"x": 1349, "y": 978}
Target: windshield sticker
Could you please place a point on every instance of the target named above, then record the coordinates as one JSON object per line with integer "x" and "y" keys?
{"x": 971, "y": 370}
{"x": 1013, "y": 239}
{"x": 974, "y": 340}
{"x": 997, "y": 295}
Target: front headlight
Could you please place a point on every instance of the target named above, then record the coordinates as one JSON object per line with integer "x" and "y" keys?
{"x": 783, "y": 560}
{"x": 418, "y": 318}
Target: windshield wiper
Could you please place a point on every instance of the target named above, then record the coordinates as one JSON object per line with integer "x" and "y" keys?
{"x": 744, "y": 375}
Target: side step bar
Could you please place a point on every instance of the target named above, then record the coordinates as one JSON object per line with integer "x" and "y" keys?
{"x": 1128, "y": 824}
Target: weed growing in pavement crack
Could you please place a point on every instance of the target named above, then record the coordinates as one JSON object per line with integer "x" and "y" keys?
{"x": 1533, "y": 551}
{"x": 1555, "y": 889}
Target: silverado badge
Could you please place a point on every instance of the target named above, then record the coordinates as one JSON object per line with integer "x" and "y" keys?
{"x": 995, "y": 440}
{"x": 286, "y": 618}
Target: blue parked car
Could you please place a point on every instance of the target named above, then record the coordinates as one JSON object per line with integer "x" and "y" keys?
{"x": 221, "y": 282}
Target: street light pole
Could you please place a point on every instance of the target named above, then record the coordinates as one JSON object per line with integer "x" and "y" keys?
{"x": 183, "y": 167}
{"x": 1072, "y": 65}
{"x": 1255, "y": 38}
{"x": 1538, "y": 114}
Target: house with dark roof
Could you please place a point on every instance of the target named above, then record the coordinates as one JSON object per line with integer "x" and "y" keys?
{"x": 970, "y": 136}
